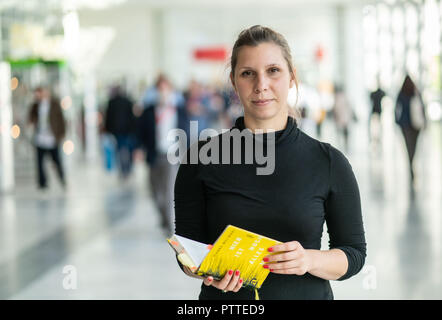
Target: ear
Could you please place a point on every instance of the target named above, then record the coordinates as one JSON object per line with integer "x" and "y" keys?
{"x": 292, "y": 79}
{"x": 292, "y": 83}
{"x": 232, "y": 81}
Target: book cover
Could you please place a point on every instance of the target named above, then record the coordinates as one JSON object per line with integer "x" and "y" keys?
{"x": 235, "y": 249}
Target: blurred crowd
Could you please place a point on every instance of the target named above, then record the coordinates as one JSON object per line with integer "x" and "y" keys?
{"x": 139, "y": 126}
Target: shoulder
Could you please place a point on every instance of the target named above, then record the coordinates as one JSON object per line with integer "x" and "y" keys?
{"x": 339, "y": 166}
{"x": 334, "y": 155}
{"x": 342, "y": 177}
{"x": 314, "y": 148}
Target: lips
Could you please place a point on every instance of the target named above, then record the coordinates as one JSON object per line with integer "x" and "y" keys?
{"x": 262, "y": 102}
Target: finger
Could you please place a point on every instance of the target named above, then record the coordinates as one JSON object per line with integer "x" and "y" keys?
{"x": 287, "y": 246}
{"x": 238, "y": 285}
{"x": 285, "y": 256}
{"x": 282, "y": 265}
{"x": 298, "y": 271}
{"x": 209, "y": 281}
{"x": 233, "y": 281}
{"x": 188, "y": 272}
{"x": 222, "y": 284}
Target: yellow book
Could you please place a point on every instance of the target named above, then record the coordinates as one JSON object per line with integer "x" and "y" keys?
{"x": 235, "y": 249}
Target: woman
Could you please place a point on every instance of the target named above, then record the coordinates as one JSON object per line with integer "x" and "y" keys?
{"x": 410, "y": 121}
{"x": 311, "y": 183}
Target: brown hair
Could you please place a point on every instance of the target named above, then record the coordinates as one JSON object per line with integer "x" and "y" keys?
{"x": 256, "y": 35}
{"x": 408, "y": 87}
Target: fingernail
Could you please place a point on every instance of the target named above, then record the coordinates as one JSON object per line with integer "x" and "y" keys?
{"x": 230, "y": 272}
{"x": 271, "y": 270}
{"x": 265, "y": 266}
{"x": 240, "y": 280}
{"x": 266, "y": 259}
{"x": 210, "y": 279}
{"x": 270, "y": 249}
{"x": 237, "y": 273}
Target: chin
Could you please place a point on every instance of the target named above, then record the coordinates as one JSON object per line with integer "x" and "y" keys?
{"x": 264, "y": 114}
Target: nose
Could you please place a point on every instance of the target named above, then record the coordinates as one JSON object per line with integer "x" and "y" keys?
{"x": 261, "y": 84}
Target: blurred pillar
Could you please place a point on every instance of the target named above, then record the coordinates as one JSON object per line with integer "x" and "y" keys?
{"x": 420, "y": 26}
{"x": 404, "y": 33}
{"x": 351, "y": 55}
{"x": 6, "y": 147}
{"x": 393, "y": 67}
{"x": 378, "y": 45}
{"x": 90, "y": 117}
{"x": 440, "y": 48}
{"x": 340, "y": 11}
{"x": 71, "y": 33}
{"x": 159, "y": 43}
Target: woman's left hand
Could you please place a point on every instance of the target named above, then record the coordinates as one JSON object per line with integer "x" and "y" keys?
{"x": 288, "y": 258}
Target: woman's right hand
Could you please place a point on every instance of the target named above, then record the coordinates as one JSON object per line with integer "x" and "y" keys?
{"x": 230, "y": 282}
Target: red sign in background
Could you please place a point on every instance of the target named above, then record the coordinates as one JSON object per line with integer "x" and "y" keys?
{"x": 211, "y": 54}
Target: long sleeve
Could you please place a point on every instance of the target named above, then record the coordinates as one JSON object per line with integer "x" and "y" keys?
{"x": 190, "y": 203}
{"x": 343, "y": 213}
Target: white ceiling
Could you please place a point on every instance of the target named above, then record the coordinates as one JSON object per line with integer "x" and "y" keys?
{"x": 235, "y": 3}
{"x": 29, "y": 5}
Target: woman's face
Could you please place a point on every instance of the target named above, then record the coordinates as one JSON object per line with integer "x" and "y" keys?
{"x": 262, "y": 81}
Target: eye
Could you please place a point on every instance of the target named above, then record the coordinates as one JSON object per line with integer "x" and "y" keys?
{"x": 246, "y": 73}
{"x": 274, "y": 70}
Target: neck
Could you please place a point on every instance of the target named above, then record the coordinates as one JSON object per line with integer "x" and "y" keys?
{"x": 269, "y": 125}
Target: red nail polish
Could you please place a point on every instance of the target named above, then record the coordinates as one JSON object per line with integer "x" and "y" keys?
{"x": 270, "y": 249}
{"x": 265, "y": 266}
{"x": 271, "y": 270}
{"x": 240, "y": 280}
{"x": 237, "y": 273}
{"x": 266, "y": 259}
{"x": 230, "y": 272}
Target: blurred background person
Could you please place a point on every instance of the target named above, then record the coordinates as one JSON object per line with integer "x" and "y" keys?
{"x": 198, "y": 105}
{"x": 120, "y": 122}
{"x": 374, "y": 121}
{"x": 217, "y": 108}
{"x": 49, "y": 129}
{"x": 343, "y": 114}
{"x": 411, "y": 118}
{"x": 164, "y": 110}
{"x": 309, "y": 104}
{"x": 233, "y": 106}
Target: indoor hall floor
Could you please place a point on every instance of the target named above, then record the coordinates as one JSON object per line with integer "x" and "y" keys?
{"x": 106, "y": 233}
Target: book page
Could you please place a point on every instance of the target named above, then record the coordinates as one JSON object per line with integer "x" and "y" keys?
{"x": 196, "y": 250}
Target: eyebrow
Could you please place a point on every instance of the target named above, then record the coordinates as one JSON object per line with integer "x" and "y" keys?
{"x": 269, "y": 65}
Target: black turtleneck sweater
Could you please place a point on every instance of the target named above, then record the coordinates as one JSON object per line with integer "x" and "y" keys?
{"x": 312, "y": 183}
